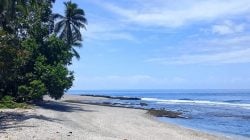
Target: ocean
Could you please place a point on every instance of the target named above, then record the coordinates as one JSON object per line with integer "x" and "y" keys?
{"x": 220, "y": 111}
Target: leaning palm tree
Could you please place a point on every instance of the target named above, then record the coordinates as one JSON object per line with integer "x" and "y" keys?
{"x": 68, "y": 27}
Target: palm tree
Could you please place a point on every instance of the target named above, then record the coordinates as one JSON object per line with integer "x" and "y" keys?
{"x": 68, "y": 27}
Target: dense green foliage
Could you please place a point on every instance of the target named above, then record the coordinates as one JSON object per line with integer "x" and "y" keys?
{"x": 8, "y": 102}
{"x": 35, "y": 54}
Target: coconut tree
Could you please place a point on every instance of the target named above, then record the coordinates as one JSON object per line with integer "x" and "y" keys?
{"x": 68, "y": 26}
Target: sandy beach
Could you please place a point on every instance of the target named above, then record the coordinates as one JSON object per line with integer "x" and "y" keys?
{"x": 58, "y": 120}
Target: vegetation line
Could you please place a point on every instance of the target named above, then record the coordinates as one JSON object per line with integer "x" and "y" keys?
{"x": 36, "y": 48}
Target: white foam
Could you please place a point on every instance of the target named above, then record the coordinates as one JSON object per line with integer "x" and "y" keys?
{"x": 150, "y": 99}
{"x": 200, "y": 102}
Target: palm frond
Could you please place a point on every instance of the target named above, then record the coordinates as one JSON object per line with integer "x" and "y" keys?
{"x": 63, "y": 34}
{"x": 76, "y": 54}
{"x": 59, "y": 26}
{"x": 79, "y": 24}
{"x": 76, "y": 34}
{"x": 73, "y": 6}
{"x": 77, "y": 44}
{"x": 57, "y": 16}
{"x": 79, "y": 11}
{"x": 80, "y": 18}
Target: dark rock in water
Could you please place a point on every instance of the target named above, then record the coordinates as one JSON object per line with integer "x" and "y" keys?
{"x": 152, "y": 111}
{"x": 70, "y": 132}
{"x": 143, "y": 104}
{"x": 104, "y": 96}
{"x": 126, "y": 98}
{"x": 246, "y": 117}
{"x": 233, "y": 101}
{"x": 107, "y": 103}
{"x": 164, "y": 113}
{"x": 186, "y": 99}
{"x": 113, "y": 97}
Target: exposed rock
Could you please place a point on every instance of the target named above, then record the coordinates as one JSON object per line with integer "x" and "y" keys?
{"x": 155, "y": 112}
{"x": 113, "y": 97}
{"x": 164, "y": 113}
{"x": 143, "y": 104}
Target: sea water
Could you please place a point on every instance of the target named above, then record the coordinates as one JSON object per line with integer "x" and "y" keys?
{"x": 223, "y": 111}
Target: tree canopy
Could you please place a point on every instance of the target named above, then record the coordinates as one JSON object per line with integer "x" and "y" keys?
{"x": 36, "y": 48}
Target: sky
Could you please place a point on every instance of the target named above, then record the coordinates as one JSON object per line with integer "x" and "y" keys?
{"x": 163, "y": 44}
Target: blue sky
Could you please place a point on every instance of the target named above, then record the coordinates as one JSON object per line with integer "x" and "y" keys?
{"x": 164, "y": 44}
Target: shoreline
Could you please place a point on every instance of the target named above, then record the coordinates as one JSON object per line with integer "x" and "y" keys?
{"x": 158, "y": 114}
{"x": 183, "y": 119}
{"x": 84, "y": 121}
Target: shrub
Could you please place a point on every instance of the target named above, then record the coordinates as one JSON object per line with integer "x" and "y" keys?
{"x": 8, "y": 102}
{"x": 35, "y": 91}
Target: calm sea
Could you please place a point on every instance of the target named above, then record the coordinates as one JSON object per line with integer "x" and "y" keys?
{"x": 223, "y": 111}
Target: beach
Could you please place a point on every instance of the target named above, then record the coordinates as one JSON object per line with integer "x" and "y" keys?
{"x": 58, "y": 120}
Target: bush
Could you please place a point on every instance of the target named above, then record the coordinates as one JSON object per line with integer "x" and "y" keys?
{"x": 8, "y": 102}
{"x": 35, "y": 91}
{"x": 38, "y": 89}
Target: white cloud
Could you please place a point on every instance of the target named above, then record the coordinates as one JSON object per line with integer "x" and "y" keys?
{"x": 236, "y": 56}
{"x": 170, "y": 13}
{"x": 236, "y": 41}
{"x": 228, "y": 27}
{"x": 104, "y": 32}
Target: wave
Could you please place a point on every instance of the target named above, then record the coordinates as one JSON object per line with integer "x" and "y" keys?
{"x": 197, "y": 102}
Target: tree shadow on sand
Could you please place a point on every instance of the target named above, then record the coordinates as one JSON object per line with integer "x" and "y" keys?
{"x": 13, "y": 119}
{"x": 61, "y": 107}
